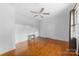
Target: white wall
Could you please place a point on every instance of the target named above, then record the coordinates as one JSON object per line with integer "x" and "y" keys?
{"x": 22, "y": 32}
{"x": 56, "y": 27}
{"x": 7, "y": 40}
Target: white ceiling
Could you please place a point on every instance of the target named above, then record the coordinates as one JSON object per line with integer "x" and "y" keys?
{"x": 23, "y": 15}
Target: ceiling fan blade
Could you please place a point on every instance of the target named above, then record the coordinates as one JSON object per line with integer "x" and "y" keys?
{"x": 33, "y": 12}
{"x": 41, "y": 9}
{"x": 46, "y": 13}
{"x": 41, "y": 16}
{"x": 35, "y": 16}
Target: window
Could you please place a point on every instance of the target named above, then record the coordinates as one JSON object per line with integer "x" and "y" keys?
{"x": 73, "y": 23}
{"x": 77, "y": 24}
{"x": 77, "y": 17}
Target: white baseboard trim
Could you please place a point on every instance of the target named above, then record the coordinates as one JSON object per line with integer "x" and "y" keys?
{"x": 57, "y": 39}
{"x": 20, "y": 41}
{"x": 6, "y": 51}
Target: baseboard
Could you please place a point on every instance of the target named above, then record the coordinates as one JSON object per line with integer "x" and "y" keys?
{"x": 23, "y": 40}
{"x": 54, "y": 39}
{"x": 20, "y": 41}
{"x": 6, "y": 51}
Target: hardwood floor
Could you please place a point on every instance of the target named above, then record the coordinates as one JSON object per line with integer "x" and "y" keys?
{"x": 41, "y": 47}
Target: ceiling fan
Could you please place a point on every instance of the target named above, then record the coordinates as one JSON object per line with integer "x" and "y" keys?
{"x": 40, "y": 13}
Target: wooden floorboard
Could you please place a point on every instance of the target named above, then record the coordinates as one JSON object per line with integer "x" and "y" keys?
{"x": 41, "y": 47}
